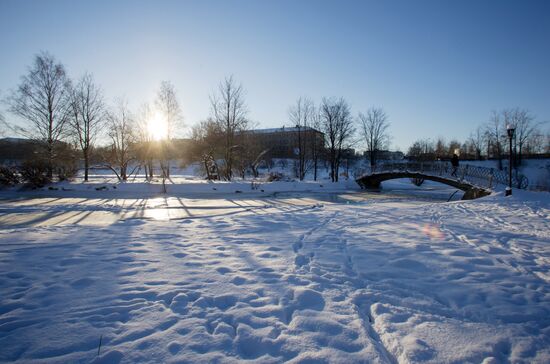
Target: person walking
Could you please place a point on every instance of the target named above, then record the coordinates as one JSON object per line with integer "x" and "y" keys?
{"x": 454, "y": 163}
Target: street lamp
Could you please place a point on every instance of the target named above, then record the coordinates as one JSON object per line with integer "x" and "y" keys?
{"x": 510, "y": 130}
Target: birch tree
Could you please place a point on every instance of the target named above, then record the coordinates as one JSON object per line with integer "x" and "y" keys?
{"x": 316, "y": 144}
{"x": 374, "y": 127}
{"x": 337, "y": 124}
{"x": 477, "y": 141}
{"x": 144, "y": 136}
{"x": 207, "y": 141}
{"x": 88, "y": 116}
{"x": 43, "y": 99}
{"x": 121, "y": 132}
{"x": 301, "y": 116}
{"x": 495, "y": 135}
{"x": 229, "y": 111}
{"x": 525, "y": 125}
{"x": 170, "y": 110}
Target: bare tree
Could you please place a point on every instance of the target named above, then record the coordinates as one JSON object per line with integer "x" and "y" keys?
{"x": 249, "y": 153}
{"x": 535, "y": 143}
{"x": 525, "y": 126}
{"x": 229, "y": 112}
{"x": 207, "y": 139}
{"x": 422, "y": 150}
{"x": 88, "y": 116}
{"x": 316, "y": 144}
{"x": 168, "y": 105}
{"x": 43, "y": 99}
{"x": 440, "y": 148}
{"x": 477, "y": 141}
{"x": 301, "y": 115}
{"x": 144, "y": 136}
{"x": 337, "y": 124}
{"x": 121, "y": 132}
{"x": 374, "y": 127}
{"x": 495, "y": 135}
{"x": 2, "y": 124}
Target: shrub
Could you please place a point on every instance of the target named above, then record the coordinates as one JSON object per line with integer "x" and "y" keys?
{"x": 66, "y": 171}
{"x": 8, "y": 176}
{"x": 35, "y": 173}
{"x": 274, "y": 176}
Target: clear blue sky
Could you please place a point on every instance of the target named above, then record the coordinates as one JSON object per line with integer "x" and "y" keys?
{"x": 437, "y": 67}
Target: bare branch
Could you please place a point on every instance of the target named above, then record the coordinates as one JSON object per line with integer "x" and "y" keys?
{"x": 88, "y": 115}
{"x": 337, "y": 124}
{"x": 122, "y": 134}
{"x": 374, "y": 127}
{"x": 43, "y": 100}
{"x": 229, "y": 111}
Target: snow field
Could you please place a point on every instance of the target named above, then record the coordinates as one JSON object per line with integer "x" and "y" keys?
{"x": 382, "y": 280}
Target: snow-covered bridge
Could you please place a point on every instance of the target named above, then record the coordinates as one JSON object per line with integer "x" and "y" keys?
{"x": 474, "y": 181}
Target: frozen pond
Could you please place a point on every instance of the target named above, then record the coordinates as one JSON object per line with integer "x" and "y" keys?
{"x": 36, "y": 209}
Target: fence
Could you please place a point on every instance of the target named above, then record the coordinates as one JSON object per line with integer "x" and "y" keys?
{"x": 479, "y": 176}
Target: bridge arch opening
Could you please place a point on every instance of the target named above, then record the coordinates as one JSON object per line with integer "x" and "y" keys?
{"x": 373, "y": 181}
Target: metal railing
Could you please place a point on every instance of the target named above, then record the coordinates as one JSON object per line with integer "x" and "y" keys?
{"x": 479, "y": 176}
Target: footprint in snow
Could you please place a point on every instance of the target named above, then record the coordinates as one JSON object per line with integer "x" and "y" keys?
{"x": 301, "y": 260}
{"x": 223, "y": 270}
{"x": 305, "y": 298}
{"x": 238, "y": 280}
{"x": 82, "y": 283}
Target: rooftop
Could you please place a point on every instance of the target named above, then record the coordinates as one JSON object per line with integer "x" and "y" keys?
{"x": 281, "y": 130}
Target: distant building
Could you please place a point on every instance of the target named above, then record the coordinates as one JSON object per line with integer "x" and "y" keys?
{"x": 348, "y": 153}
{"x": 282, "y": 142}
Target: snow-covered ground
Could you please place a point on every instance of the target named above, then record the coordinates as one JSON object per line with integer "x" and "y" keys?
{"x": 296, "y": 272}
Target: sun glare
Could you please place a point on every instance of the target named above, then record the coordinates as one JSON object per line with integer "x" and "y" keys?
{"x": 158, "y": 127}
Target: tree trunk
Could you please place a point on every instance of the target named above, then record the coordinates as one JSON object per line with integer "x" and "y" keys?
{"x": 207, "y": 169}
{"x": 86, "y": 164}
{"x": 332, "y": 165}
{"x": 372, "y": 159}
{"x": 499, "y": 156}
{"x": 228, "y": 167}
{"x": 315, "y": 169}
{"x": 50, "y": 159}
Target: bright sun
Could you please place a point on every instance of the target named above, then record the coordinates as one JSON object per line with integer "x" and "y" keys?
{"x": 158, "y": 127}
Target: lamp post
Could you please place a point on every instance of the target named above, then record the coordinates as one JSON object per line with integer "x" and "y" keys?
{"x": 510, "y": 130}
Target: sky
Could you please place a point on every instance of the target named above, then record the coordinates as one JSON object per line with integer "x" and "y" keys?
{"x": 438, "y": 68}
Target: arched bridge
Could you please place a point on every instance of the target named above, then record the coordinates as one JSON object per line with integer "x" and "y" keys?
{"x": 474, "y": 181}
